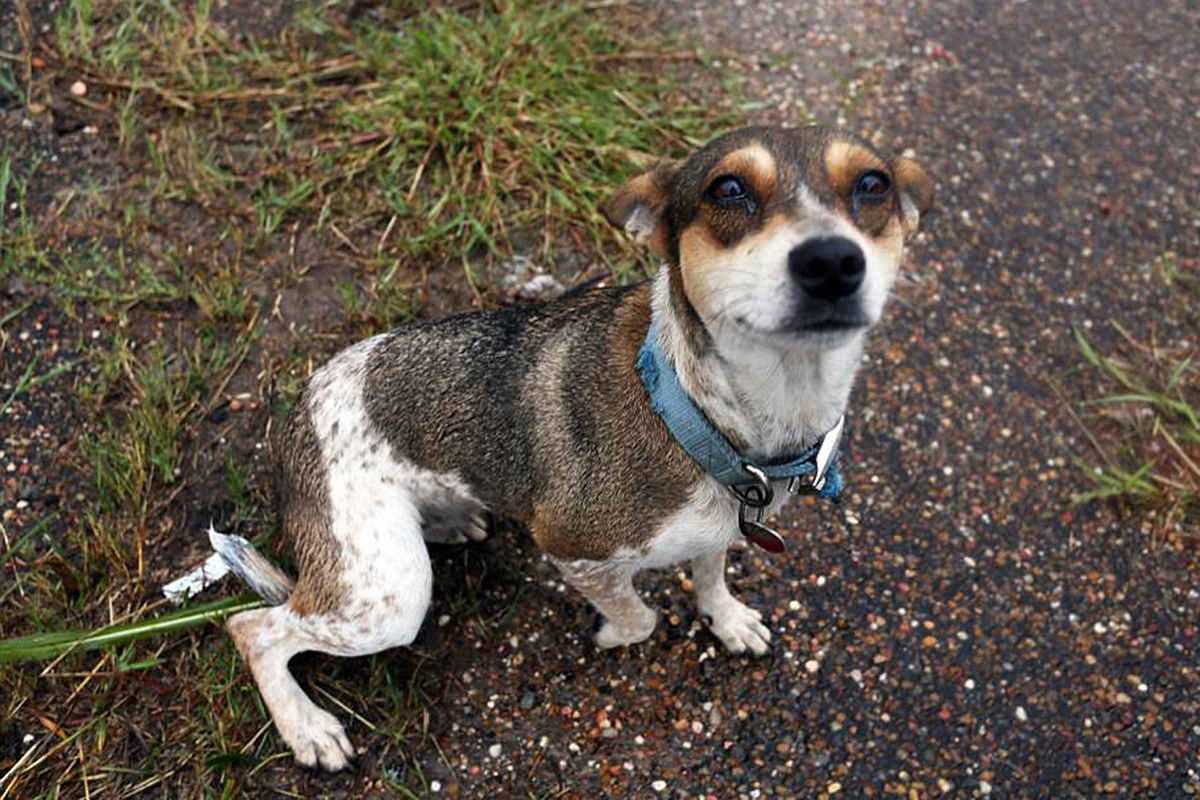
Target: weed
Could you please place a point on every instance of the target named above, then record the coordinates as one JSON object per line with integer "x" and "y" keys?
{"x": 19, "y": 249}
{"x": 1144, "y": 427}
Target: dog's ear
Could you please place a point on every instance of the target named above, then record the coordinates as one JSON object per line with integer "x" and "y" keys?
{"x": 638, "y": 207}
{"x": 916, "y": 193}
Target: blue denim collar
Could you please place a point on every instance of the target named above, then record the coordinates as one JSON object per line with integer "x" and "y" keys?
{"x": 814, "y": 471}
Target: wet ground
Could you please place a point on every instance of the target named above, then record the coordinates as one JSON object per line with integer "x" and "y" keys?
{"x": 956, "y": 627}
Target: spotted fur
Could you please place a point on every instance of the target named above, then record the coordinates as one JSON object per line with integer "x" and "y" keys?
{"x": 537, "y": 413}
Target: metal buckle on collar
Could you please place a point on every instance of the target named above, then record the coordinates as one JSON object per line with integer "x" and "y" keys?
{"x": 815, "y": 481}
{"x": 758, "y": 494}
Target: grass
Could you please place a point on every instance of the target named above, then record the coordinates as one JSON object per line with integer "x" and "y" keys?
{"x": 438, "y": 136}
{"x": 1144, "y": 424}
{"x": 259, "y": 200}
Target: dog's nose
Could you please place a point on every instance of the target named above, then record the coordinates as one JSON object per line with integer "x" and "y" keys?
{"x": 828, "y": 268}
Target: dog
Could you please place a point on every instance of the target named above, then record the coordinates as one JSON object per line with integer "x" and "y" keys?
{"x": 628, "y": 428}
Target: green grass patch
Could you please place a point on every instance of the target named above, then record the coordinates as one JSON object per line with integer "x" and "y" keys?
{"x": 1144, "y": 423}
{"x": 258, "y": 200}
{"x": 448, "y": 135}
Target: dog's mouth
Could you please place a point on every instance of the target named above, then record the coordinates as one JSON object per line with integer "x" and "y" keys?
{"x": 825, "y": 321}
{"x": 834, "y": 325}
{"x": 806, "y": 327}
{"x": 809, "y": 316}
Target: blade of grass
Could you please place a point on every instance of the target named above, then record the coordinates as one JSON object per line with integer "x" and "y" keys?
{"x": 42, "y": 646}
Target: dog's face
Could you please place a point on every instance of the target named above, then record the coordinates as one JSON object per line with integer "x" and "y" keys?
{"x": 788, "y": 235}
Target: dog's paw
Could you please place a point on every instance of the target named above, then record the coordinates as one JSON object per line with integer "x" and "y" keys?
{"x": 320, "y": 741}
{"x": 455, "y": 529}
{"x": 477, "y": 528}
{"x": 625, "y": 631}
{"x": 739, "y": 627}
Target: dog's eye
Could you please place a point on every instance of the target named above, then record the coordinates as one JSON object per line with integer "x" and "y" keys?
{"x": 728, "y": 190}
{"x": 872, "y": 185}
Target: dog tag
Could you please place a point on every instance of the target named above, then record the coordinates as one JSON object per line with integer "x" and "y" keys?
{"x": 762, "y": 536}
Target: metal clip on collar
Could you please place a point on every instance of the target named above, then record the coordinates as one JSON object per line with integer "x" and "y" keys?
{"x": 815, "y": 481}
{"x": 758, "y": 494}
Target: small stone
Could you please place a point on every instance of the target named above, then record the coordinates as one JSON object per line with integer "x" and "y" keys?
{"x": 812, "y": 665}
{"x": 659, "y": 785}
{"x": 1021, "y": 715}
{"x": 985, "y": 787}
{"x": 833, "y": 788}
{"x": 36, "y": 108}
{"x": 79, "y": 88}
{"x": 969, "y": 684}
{"x": 494, "y": 751}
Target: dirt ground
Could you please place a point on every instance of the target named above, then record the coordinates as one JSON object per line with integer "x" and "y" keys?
{"x": 957, "y": 626}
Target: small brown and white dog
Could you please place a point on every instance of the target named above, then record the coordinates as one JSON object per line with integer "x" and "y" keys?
{"x": 779, "y": 248}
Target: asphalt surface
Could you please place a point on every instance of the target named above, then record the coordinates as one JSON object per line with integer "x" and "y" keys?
{"x": 956, "y": 628}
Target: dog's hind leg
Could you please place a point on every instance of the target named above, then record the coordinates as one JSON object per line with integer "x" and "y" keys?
{"x": 374, "y": 598}
{"x": 609, "y": 587}
{"x": 268, "y": 638}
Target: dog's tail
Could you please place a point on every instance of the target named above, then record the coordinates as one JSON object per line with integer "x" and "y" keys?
{"x": 264, "y": 578}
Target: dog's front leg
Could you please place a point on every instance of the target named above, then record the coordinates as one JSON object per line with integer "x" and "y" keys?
{"x": 609, "y": 587}
{"x": 738, "y": 626}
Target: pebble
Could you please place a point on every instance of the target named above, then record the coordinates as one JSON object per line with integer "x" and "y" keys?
{"x": 812, "y": 665}
{"x": 659, "y": 785}
{"x": 494, "y": 750}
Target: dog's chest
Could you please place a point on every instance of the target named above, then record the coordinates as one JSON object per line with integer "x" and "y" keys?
{"x": 706, "y": 523}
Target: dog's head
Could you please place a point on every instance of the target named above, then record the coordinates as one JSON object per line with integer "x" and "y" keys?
{"x": 788, "y": 235}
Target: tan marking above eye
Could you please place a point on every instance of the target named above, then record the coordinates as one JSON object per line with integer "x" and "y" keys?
{"x": 754, "y": 164}
{"x": 846, "y": 161}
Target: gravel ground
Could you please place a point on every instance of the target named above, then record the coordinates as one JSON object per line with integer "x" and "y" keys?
{"x": 956, "y": 627}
